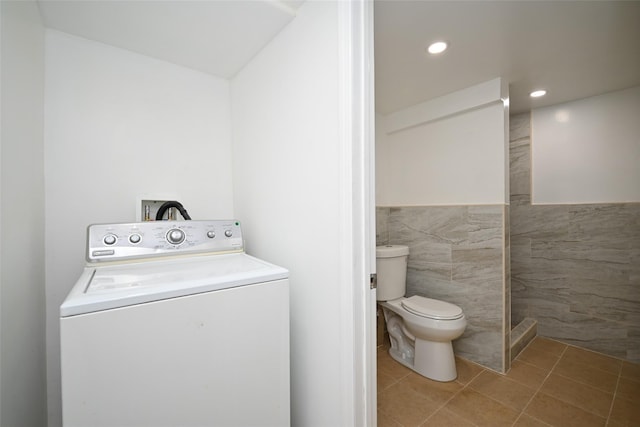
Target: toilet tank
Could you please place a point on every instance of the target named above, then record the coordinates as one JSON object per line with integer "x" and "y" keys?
{"x": 391, "y": 269}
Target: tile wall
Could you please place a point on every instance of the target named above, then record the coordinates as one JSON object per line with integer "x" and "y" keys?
{"x": 574, "y": 268}
{"x": 457, "y": 254}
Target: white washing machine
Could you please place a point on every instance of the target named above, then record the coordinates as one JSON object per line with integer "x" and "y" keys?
{"x": 173, "y": 324}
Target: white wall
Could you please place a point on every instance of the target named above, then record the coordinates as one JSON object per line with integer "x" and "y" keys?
{"x": 381, "y": 162}
{"x": 587, "y": 151}
{"x": 22, "y": 327}
{"x": 291, "y": 180}
{"x": 119, "y": 125}
{"x": 447, "y": 151}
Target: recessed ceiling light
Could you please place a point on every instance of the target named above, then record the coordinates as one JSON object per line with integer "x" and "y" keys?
{"x": 437, "y": 47}
{"x": 538, "y": 93}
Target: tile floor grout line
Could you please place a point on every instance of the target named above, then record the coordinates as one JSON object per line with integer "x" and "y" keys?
{"x": 615, "y": 392}
{"x": 394, "y": 382}
{"x": 602, "y": 390}
{"x": 566, "y": 352}
{"x": 468, "y": 385}
{"x": 521, "y": 412}
{"x": 598, "y": 368}
{"x": 388, "y": 387}
{"x": 581, "y": 383}
{"x": 464, "y": 386}
{"x": 540, "y": 388}
{"x": 587, "y": 384}
{"x": 531, "y": 416}
{"x": 595, "y": 352}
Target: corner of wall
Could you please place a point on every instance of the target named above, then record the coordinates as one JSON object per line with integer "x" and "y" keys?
{"x": 22, "y": 363}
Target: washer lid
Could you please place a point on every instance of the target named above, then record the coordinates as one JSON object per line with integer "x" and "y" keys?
{"x": 431, "y": 308}
{"x": 106, "y": 287}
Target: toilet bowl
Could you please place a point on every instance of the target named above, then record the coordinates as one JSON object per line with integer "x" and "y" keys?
{"x": 420, "y": 329}
{"x": 427, "y": 339}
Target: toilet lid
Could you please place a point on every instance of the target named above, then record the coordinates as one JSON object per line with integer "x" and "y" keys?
{"x": 432, "y": 308}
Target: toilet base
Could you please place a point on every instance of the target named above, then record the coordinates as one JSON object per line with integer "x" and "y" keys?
{"x": 438, "y": 365}
{"x": 435, "y": 360}
{"x": 397, "y": 356}
{"x": 431, "y": 359}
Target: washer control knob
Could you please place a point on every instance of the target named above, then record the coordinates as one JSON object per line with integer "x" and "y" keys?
{"x": 175, "y": 236}
{"x": 228, "y": 233}
{"x": 109, "y": 239}
{"x": 135, "y": 238}
{"x": 211, "y": 234}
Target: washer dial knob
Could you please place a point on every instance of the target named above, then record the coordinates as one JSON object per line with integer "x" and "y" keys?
{"x": 211, "y": 234}
{"x": 228, "y": 233}
{"x": 135, "y": 238}
{"x": 109, "y": 239}
{"x": 175, "y": 236}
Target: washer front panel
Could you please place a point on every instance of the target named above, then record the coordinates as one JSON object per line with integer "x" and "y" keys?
{"x": 119, "y": 242}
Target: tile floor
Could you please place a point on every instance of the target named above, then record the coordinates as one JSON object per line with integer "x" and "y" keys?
{"x": 549, "y": 384}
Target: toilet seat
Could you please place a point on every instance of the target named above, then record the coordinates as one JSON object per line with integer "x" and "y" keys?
{"x": 431, "y": 308}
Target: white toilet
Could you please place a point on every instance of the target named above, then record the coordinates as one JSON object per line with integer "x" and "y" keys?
{"x": 421, "y": 329}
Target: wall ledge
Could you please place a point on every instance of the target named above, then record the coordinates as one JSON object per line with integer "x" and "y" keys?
{"x": 471, "y": 98}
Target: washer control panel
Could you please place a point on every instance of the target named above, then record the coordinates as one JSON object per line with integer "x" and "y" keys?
{"x": 116, "y": 242}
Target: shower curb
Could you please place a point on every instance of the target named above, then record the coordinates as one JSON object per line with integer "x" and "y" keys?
{"x": 522, "y": 335}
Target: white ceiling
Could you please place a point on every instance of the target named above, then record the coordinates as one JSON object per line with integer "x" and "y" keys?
{"x": 574, "y": 49}
{"x": 214, "y": 36}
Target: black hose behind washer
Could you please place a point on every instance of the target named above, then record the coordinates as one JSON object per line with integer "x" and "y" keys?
{"x": 172, "y": 204}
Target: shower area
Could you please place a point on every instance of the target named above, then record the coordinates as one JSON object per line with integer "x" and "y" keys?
{"x": 455, "y": 186}
{"x": 575, "y": 267}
